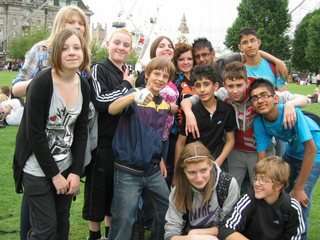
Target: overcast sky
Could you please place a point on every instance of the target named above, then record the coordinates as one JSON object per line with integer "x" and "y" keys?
{"x": 205, "y": 18}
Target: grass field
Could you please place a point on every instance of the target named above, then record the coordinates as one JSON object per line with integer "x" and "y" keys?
{"x": 10, "y": 201}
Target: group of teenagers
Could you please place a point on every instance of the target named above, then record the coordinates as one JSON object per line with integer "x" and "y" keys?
{"x": 172, "y": 145}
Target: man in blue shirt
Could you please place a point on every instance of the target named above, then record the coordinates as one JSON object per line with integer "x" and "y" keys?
{"x": 303, "y": 149}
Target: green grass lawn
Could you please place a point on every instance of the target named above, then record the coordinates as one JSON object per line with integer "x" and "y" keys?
{"x": 10, "y": 201}
{"x": 6, "y": 78}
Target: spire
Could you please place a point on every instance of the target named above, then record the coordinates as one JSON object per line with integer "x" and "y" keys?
{"x": 183, "y": 29}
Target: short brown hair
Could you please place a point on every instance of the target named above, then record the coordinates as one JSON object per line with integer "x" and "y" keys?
{"x": 275, "y": 168}
{"x": 192, "y": 153}
{"x": 160, "y": 63}
{"x": 234, "y": 71}
{"x": 156, "y": 43}
{"x": 179, "y": 49}
{"x": 247, "y": 31}
{"x": 57, "y": 47}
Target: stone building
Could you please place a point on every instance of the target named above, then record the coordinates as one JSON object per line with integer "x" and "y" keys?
{"x": 18, "y": 16}
{"x": 99, "y": 32}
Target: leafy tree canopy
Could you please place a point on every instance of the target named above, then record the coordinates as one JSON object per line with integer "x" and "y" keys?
{"x": 271, "y": 20}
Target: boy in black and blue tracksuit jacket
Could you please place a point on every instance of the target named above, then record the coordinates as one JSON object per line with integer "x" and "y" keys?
{"x": 138, "y": 147}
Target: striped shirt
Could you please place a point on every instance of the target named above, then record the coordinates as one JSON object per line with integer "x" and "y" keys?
{"x": 256, "y": 219}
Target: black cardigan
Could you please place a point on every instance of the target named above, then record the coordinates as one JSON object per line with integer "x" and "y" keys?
{"x": 31, "y": 136}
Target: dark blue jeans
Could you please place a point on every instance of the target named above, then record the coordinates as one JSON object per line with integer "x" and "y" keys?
{"x": 126, "y": 194}
{"x": 295, "y": 166}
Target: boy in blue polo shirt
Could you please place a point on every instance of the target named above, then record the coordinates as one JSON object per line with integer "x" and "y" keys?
{"x": 139, "y": 146}
{"x": 303, "y": 149}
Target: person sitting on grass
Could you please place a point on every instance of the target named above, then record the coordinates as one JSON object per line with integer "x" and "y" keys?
{"x": 201, "y": 198}
{"x": 267, "y": 212}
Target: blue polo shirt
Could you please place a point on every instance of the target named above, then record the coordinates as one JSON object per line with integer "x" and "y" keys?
{"x": 264, "y": 70}
{"x": 304, "y": 130}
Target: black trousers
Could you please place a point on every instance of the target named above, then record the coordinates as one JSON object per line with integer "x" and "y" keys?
{"x": 49, "y": 212}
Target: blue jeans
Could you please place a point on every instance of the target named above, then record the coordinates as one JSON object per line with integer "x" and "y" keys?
{"x": 126, "y": 193}
{"x": 295, "y": 166}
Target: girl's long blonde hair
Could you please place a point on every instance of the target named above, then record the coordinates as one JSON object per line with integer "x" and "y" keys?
{"x": 63, "y": 15}
{"x": 194, "y": 152}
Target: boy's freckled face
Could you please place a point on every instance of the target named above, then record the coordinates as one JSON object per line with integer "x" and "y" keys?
{"x": 157, "y": 80}
{"x": 236, "y": 89}
{"x": 205, "y": 89}
{"x": 262, "y": 100}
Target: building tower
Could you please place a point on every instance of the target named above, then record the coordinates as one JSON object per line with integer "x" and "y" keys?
{"x": 183, "y": 30}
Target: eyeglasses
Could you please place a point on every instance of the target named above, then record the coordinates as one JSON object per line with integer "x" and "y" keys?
{"x": 262, "y": 179}
{"x": 262, "y": 96}
{"x": 202, "y": 55}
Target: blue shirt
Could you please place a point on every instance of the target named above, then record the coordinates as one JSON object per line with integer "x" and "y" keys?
{"x": 304, "y": 130}
{"x": 36, "y": 59}
{"x": 264, "y": 70}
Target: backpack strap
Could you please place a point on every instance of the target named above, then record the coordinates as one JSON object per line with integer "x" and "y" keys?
{"x": 313, "y": 116}
{"x": 273, "y": 69}
{"x": 223, "y": 187}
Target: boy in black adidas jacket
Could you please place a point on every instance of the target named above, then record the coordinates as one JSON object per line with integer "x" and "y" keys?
{"x": 267, "y": 213}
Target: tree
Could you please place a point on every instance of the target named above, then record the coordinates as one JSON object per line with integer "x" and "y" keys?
{"x": 305, "y": 46}
{"x": 20, "y": 45}
{"x": 299, "y": 61}
{"x": 98, "y": 52}
{"x": 313, "y": 49}
{"x": 271, "y": 20}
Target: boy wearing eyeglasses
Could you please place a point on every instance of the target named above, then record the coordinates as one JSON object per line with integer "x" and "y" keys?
{"x": 243, "y": 157}
{"x": 303, "y": 141}
{"x": 267, "y": 212}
